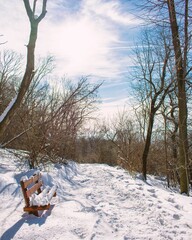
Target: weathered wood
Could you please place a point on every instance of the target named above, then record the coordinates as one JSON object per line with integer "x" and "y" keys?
{"x": 24, "y": 190}
{"x": 33, "y": 186}
{"x": 36, "y": 208}
{"x": 31, "y": 180}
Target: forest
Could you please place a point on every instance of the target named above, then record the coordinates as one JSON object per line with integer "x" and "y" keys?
{"x": 55, "y": 124}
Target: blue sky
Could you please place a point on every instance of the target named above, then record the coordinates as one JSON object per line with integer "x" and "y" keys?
{"x": 87, "y": 37}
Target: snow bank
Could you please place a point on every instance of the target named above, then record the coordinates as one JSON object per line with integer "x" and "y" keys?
{"x": 94, "y": 202}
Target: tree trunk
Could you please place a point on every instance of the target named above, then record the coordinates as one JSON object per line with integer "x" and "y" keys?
{"x": 166, "y": 152}
{"x": 29, "y": 71}
{"x": 147, "y": 143}
{"x": 182, "y": 100}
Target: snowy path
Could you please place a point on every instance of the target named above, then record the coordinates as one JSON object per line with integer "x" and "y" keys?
{"x": 129, "y": 209}
{"x": 95, "y": 202}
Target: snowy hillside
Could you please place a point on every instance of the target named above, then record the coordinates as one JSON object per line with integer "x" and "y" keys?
{"x": 93, "y": 202}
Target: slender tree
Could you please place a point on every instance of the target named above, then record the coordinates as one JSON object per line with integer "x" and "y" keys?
{"x": 180, "y": 63}
{"x": 154, "y": 82}
{"x": 30, "y": 66}
{"x": 175, "y": 15}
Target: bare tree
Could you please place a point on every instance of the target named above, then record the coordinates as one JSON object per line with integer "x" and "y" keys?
{"x": 175, "y": 15}
{"x": 169, "y": 112}
{"x": 10, "y": 64}
{"x": 30, "y": 67}
{"x": 51, "y": 120}
{"x": 181, "y": 64}
{"x": 71, "y": 110}
{"x": 123, "y": 135}
{"x": 152, "y": 79}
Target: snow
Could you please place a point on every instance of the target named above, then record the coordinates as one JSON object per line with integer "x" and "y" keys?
{"x": 44, "y": 197}
{"x": 3, "y": 115}
{"x": 24, "y": 178}
{"x": 41, "y": 199}
{"x": 93, "y": 202}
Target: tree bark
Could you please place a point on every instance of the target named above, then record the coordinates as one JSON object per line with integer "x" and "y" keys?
{"x": 147, "y": 143}
{"x": 182, "y": 99}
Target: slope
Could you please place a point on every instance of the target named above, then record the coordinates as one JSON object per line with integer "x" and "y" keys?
{"x": 93, "y": 202}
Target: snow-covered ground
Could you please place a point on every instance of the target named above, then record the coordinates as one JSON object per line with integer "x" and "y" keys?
{"x": 93, "y": 202}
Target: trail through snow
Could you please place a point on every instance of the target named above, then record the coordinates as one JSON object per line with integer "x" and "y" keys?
{"x": 93, "y": 202}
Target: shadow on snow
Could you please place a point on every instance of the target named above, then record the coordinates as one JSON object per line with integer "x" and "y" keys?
{"x": 26, "y": 219}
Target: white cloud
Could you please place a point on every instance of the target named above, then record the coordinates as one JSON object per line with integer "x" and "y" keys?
{"x": 85, "y": 40}
{"x": 80, "y": 44}
{"x": 111, "y": 10}
{"x": 83, "y": 43}
{"x": 111, "y": 108}
{"x": 14, "y": 25}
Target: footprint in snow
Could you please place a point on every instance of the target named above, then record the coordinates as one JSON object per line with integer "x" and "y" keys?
{"x": 89, "y": 209}
{"x": 151, "y": 190}
{"x": 161, "y": 221}
{"x": 176, "y": 216}
{"x": 80, "y": 232}
{"x": 178, "y": 207}
{"x": 120, "y": 177}
{"x": 89, "y": 196}
{"x": 171, "y": 200}
{"x": 154, "y": 195}
{"x": 85, "y": 180}
{"x": 140, "y": 188}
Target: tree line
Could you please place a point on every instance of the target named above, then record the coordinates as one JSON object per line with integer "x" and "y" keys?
{"x": 49, "y": 122}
